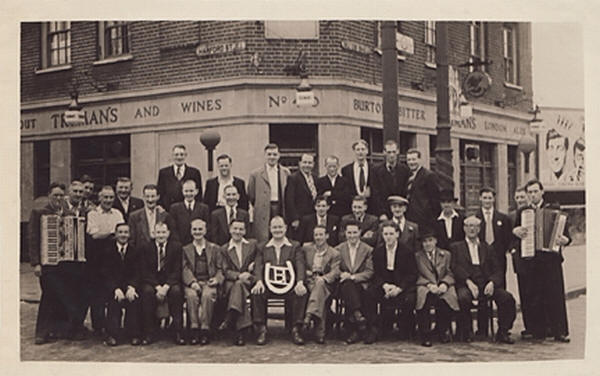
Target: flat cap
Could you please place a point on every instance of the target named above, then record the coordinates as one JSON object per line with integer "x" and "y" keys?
{"x": 472, "y": 220}
{"x": 397, "y": 200}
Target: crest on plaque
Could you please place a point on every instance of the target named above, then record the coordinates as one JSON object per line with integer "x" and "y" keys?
{"x": 280, "y": 279}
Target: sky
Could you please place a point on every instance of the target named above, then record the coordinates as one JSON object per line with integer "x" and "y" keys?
{"x": 558, "y": 64}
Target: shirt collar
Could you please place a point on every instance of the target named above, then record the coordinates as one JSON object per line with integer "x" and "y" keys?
{"x": 286, "y": 241}
{"x": 232, "y": 243}
{"x": 121, "y": 246}
{"x": 472, "y": 242}
{"x": 453, "y": 215}
{"x": 158, "y": 245}
{"x": 149, "y": 211}
{"x": 271, "y": 168}
{"x": 486, "y": 211}
{"x": 393, "y": 249}
{"x": 225, "y": 182}
{"x": 357, "y": 164}
{"x": 175, "y": 167}
{"x": 200, "y": 248}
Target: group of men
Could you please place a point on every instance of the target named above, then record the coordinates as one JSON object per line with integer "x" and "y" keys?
{"x": 373, "y": 236}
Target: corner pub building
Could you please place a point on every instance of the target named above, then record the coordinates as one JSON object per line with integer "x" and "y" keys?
{"x": 146, "y": 86}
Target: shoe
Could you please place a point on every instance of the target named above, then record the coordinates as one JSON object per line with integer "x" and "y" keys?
{"x": 110, "y": 341}
{"x": 41, "y": 340}
{"x": 52, "y": 337}
{"x": 359, "y": 318}
{"x": 239, "y": 339}
{"x": 352, "y": 338}
{"x": 135, "y": 342}
{"x": 297, "y": 336}
{"x": 468, "y": 338}
{"x": 525, "y": 334}
{"x": 204, "y": 340}
{"x": 445, "y": 338}
{"x": 195, "y": 337}
{"x": 562, "y": 338}
{"x": 261, "y": 340}
{"x": 179, "y": 339}
{"x": 503, "y": 337}
{"x": 371, "y": 337}
{"x": 426, "y": 343}
{"x": 146, "y": 341}
{"x": 320, "y": 340}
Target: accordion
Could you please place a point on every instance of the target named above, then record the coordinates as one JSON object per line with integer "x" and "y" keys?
{"x": 544, "y": 228}
{"x": 62, "y": 239}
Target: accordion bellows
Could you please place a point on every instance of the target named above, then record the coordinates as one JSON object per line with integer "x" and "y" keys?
{"x": 62, "y": 239}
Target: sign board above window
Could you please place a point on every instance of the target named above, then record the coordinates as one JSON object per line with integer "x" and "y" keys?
{"x": 292, "y": 29}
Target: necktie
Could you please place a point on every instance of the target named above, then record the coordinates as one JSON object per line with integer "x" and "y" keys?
{"x": 161, "y": 256}
{"x": 179, "y": 174}
{"x": 409, "y": 184}
{"x": 122, "y": 252}
{"x": 311, "y": 186}
{"x": 125, "y": 206}
{"x": 489, "y": 229}
{"x": 189, "y": 207}
{"x": 232, "y": 216}
{"x": 361, "y": 179}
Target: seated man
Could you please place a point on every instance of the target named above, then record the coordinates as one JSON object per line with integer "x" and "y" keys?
{"x": 322, "y": 217}
{"x": 479, "y": 276}
{"x": 356, "y": 269}
{"x": 409, "y": 231}
{"x": 221, "y": 218}
{"x": 238, "y": 261}
{"x": 322, "y": 272}
{"x": 367, "y": 222}
{"x": 160, "y": 283}
{"x": 395, "y": 275}
{"x": 201, "y": 276}
{"x": 120, "y": 274}
{"x": 277, "y": 252}
{"x": 435, "y": 287}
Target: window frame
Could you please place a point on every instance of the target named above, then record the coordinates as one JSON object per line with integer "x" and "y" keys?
{"x": 477, "y": 50}
{"x": 47, "y": 49}
{"x": 510, "y": 54}
{"x": 103, "y": 39}
{"x": 378, "y": 49}
{"x": 430, "y": 42}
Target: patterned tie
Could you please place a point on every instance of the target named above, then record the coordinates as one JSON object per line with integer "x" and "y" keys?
{"x": 311, "y": 186}
{"x": 361, "y": 179}
{"x": 409, "y": 184}
{"x": 179, "y": 174}
{"x": 232, "y": 214}
{"x": 122, "y": 252}
{"x": 489, "y": 229}
{"x": 161, "y": 256}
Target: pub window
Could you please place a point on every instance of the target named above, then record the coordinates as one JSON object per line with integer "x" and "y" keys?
{"x": 510, "y": 50}
{"x": 114, "y": 39}
{"x": 477, "y": 170}
{"x": 103, "y": 158}
{"x": 292, "y": 29}
{"x": 41, "y": 168}
{"x": 56, "y": 44}
{"x": 374, "y": 137}
{"x": 430, "y": 44}
{"x": 477, "y": 32}
{"x": 512, "y": 174}
{"x": 293, "y": 141}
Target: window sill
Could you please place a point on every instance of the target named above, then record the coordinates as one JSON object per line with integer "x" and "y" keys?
{"x": 112, "y": 60}
{"x": 58, "y": 68}
{"x": 513, "y": 86}
{"x": 431, "y": 65}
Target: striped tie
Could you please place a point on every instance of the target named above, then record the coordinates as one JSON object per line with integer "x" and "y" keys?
{"x": 311, "y": 186}
{"x": 409, "y": 184}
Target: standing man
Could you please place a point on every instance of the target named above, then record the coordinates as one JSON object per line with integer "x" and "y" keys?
{"x": 497, "y": 229}
{"x": 479, "y": 276}
{"x": 74, "y": 202}
{"x": 184, "y": 212}
{"x": 201, "y": 277}
{"x": 300, "y": 193}
{"x": 125, "y": 203}
{"x": 335, "y": 187}
{"x": 449, "y": 225}
{"x": 171, "y": 178}
{"x": 422, "y": 190}
{"x": 141, "y": 222}
{"x": 214, "y": 194}
{"x": 266, "y": 187}
{"x": 359, "y": 173}
{"x": 321, "y": 217}
{"x": 221, "y": 218}
{"x": 389, "y": 178}
{"x": 89, "y": 201}
{"x": 546, "y": 297}
{"x": 367, "y": 223}
{"x": 409, "y": 231}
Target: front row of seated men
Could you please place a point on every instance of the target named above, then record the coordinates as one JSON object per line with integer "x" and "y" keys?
{"x": 153, "y": 281}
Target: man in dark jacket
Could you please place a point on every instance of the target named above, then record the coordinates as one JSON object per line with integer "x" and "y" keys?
{"x": 422, "y": 192}
{"x": 214, "y": 194}
{"x": 171, "y": 178}
{"x": 389, "y": 178}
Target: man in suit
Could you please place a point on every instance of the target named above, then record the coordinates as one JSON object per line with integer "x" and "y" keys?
{"x": 358, "y": 173}
{"x": 120, "y": 275}
{"x": 160, "y": 283}
{"x": 389, "y": 178}
{"x": 266, "y": 187}
{"x": 368, "y": 223}
{"x": 171, "y": 178}
{"x": 356, "y": 271}
{"x": 277, "y": 252}
{"x": 422, "y": 191}
{"x": 449, "y": 225}
{"x": 320, "y": 217}
{"x": 238, "y": 257}
{"x": 220, "y": 218}
{"x": 214, "y": 194}
{"x": 479, "y": 276}
{"x": 201, "y": 277}
{"x": 497, "y": 228}
{"x": 409, "y": 231}
{"x": 394, "y": 278}
{"x": 74, "y": 201}
{"x": 546, "y": 296}
{"x": 322, "y": 272}
{"x": 125, "y": 203}
{"x": 141, "y": 222}
{"x": 435, "y": 287}
{"x": 89, "y": 200}
{"x": 184, "y": 212}
{"x": 300, "y": 193}
{"x": 335, "y": 187}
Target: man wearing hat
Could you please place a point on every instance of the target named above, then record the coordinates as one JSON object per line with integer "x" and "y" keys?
{"x": 435, "y": 287}
{"x": 449, "y": 225}
{"x": 408, "y": 231}
{"x": 479, "y": 276}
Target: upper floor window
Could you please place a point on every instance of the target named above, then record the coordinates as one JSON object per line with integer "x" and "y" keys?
{"x": 477, "y": 36}
{"x": 56, "y": 44}
{"x": 113, "y": 39}
{"x": 430, "y": 43}
{"x": 510, "y": 51}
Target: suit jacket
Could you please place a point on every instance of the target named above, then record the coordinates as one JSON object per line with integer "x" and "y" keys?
{"x": 369, "y": 222}
{"x": 117, "y": 272}
{"x": 298, "y": 198}
{"x": 424, "y": 203}
{"x": 409, "y": 237}
{"x": 231, "y": 265}
{"x": 213, "y": 259}
{"x": 212, "y": 190}
{"x": 348, "y": 173}
{"x": 341, "y": 194}
{"x": 170, "y": 274}
{"x": 182, "y": 219}
{"x": 219, "y": 227}
{"x": 169, "y": 187}
{"x": 267, "y": 254}
{"x": 463, "y": 268}
{"x": 385, "y": 184}
{"x": 331, "y": 262}
{"x": 404, "y": 274}
{"x": 441, "y": 272}
{"x": 363, "y": 262}
{"x": 134, "y": 204}
{"x": 259, "y": 195}
{"x": 138, "y": 227}
{"x": 458, "y": 232}
{"x": 308, "y": 224}
{"x": 502, "y": 226}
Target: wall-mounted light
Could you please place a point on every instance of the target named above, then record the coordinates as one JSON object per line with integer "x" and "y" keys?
{"x": 74, "y": 115}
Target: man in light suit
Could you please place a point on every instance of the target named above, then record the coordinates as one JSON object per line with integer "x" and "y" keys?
{"x": 422, "y": 192}
{"x": 368, "y": 223}
{"x": 238, "y": 257}
{"x": 409, "y": 231}
{"x": 220, "y": 218}
{"x": 322, "y": 272}
{"x": 184, "y": 212}
{"x": 266, "y": 187}
{"x": 141, "y": 222}
{"x": 335, "y": 187}
{"x": 359, "y": 173}
{"x": 389, "y": 178}
{"x": 320, "y": 217}
{"x": 171, "y": 178}
{"x": 214, "y": 194}
{"x": 125, "y": 203}
{"x": 300, "y": 193}
{"x": 435, "y": 287}
{"x": 356, "y": 270}
{"x": 201, "y": 276}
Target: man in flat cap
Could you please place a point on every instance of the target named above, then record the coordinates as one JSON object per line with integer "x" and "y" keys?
{"x": 409, "y": 231}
